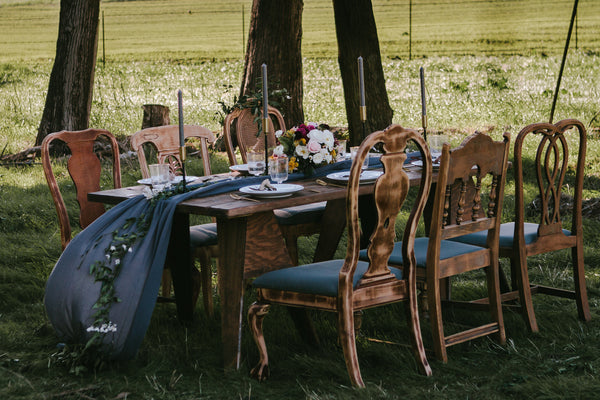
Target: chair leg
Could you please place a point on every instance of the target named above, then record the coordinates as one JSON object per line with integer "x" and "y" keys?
{"x": 412, "y": 318}
{"x": 256, "y": 314}
{"x": 291, "y": 243}
{"x": 348, "y": 342}
{"x": 519, "y": 269}
{"x": 206, "y": 278}
{"x": 435, "y": 315}
{"x": 583, "y": 307}
{"x": 493, "y": 285}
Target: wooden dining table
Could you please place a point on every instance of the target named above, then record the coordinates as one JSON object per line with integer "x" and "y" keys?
{"x": 250, "y": 243}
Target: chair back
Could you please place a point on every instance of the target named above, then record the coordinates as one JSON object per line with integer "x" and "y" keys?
{"x": 470, "y": 176}
{"x": 241, "y": 127}
{"x": 165, "y": 140}
{"x": 390, "y": 192}
{"x": 85, "y": 169}
{"x": 551, "y": 168}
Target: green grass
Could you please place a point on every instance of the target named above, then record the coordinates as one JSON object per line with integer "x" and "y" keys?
{"x": 507, "y": 83}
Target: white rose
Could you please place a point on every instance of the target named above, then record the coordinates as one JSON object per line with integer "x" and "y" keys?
{"x": 317, "y": 158}
{"x": 278, "y": 151}
{"x": 278, "y": 133}
{"x": 328, "y": 139}
{"x": 317, "y": 135}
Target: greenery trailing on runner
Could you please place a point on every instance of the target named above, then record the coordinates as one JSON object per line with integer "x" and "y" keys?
{"x": 107, "y": 271}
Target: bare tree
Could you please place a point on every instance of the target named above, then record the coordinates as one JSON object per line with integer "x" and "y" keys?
{"x": 69, "y": 98}
{"x": 275, "y": 39}
{"x": 357, "y": 36}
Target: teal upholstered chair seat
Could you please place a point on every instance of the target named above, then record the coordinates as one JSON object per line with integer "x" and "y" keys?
{"x": 318, "y": 278}
{"x": 300, "y": 214}
{"x": 506, "y": 235}
{"x": 203, "y": 235}
{"x": 448, "y": 249}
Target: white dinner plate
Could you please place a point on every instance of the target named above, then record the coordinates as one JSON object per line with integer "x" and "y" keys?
{"x": 174, "y": 181}
{"x": 239, "y": 168}
{"x": 281, "y": 190}
{"x": 419, "y": 163}
{"x": 368, "y": 176}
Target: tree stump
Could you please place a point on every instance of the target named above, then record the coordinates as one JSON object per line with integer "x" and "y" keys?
{"x": 155, "y": 115}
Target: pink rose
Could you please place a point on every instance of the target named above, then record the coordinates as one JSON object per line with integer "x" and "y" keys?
{"x": 313, "y": 146}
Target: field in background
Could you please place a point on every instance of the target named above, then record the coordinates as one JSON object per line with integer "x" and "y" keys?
{"x": 216, "y": 29}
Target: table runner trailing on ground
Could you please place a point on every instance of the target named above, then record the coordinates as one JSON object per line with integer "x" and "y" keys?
{"x": 73, "y": 292}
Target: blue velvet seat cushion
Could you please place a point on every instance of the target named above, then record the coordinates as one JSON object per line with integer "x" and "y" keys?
{"x": 203, "y": 235}
{"x": 318, "y": 278}
{"x": 506, "y": 235}
{"x": 448, "y": 249}
{"x": 300, "y": 214}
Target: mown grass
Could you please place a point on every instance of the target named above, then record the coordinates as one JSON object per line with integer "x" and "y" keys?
{"x": 465, "y": 93}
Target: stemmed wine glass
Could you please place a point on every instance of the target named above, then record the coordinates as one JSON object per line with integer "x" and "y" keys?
{"x": 278, "y": 168}
{"x": 256, "y": 163}
{"x": 354, "y": 151}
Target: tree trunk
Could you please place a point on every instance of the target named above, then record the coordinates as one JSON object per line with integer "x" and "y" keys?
{"x": 155, "y": 115}
{"x": 69, "y": 98}
{"x": 357, "y": 36}
{"x": 275, "y": 39}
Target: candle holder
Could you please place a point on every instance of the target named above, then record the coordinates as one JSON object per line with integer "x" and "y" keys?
{"x": 265, "y": 124}
{"x": 182, "y": 157}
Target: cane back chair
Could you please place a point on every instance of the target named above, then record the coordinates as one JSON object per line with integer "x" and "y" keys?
{"x": 294, "y": 222}
{"x": 203, "y": 238}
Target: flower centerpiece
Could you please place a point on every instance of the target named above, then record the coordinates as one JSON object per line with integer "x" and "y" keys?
{"x": 308, "y": 146}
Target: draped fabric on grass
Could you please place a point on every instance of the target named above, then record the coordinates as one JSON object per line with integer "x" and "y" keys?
{"x": 71, "y": 291}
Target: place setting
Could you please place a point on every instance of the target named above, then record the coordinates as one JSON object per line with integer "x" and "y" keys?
{"x": 278, "y": 167}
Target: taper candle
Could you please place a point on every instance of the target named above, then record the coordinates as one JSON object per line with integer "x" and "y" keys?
{"x": 265, "y": 92}
{"x": 180, "y": 105}
{"x": 361, "y": 81}
{"x": 423, "y": 105}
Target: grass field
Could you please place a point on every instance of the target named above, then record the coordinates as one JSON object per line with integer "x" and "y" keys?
{"x": 485, "y": 70}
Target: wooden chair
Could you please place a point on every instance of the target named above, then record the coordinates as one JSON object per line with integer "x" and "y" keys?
{"x": 294, "y": 221}
{"x": 459, "y": 207}
{"x": 203, "y": 238}
{"x": 349, "y": 285}
{"x": 85, "y": 168}
{"x": 521, "y": 239}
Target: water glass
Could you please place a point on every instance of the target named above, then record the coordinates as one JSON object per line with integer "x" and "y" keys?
{"x": 159, "y": 176}
{"x": 354, "y": 151}
{"x": 256, "y": 162}
{"x": 435, "y": 145}
{"x": 341, "y": 150}
{"x": 278, "y": 168}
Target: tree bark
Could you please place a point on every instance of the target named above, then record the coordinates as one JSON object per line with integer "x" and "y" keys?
{"x": 275, "y": 39}
{"x": 69, "y": 98}
{"x": 357, "y": 36}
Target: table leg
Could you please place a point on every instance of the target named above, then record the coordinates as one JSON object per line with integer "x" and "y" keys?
{"x": 179, "y": 258}
{"x": 232, "y": 243}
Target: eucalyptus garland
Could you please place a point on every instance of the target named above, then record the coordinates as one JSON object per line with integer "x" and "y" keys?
{"x": 108, "y": 269}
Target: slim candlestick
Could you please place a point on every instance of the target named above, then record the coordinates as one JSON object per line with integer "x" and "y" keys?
{"x": 182, "y": 154}
{"x": 423, "y": 103}
{"x": 361, "y": 87}
{"x": 265, "y": 118}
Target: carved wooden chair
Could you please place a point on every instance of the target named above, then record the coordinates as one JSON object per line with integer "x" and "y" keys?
{"x": 521, "y": 239}
{"x": 85, "y": 169}
{"x": 203, "y": 238}
{"x": 293, "y": 221}
{"x": 349, "y": 285}
{"x": 460, "y": 208}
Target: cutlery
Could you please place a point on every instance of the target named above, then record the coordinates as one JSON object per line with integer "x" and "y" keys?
{"x": 238, "y": 197}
